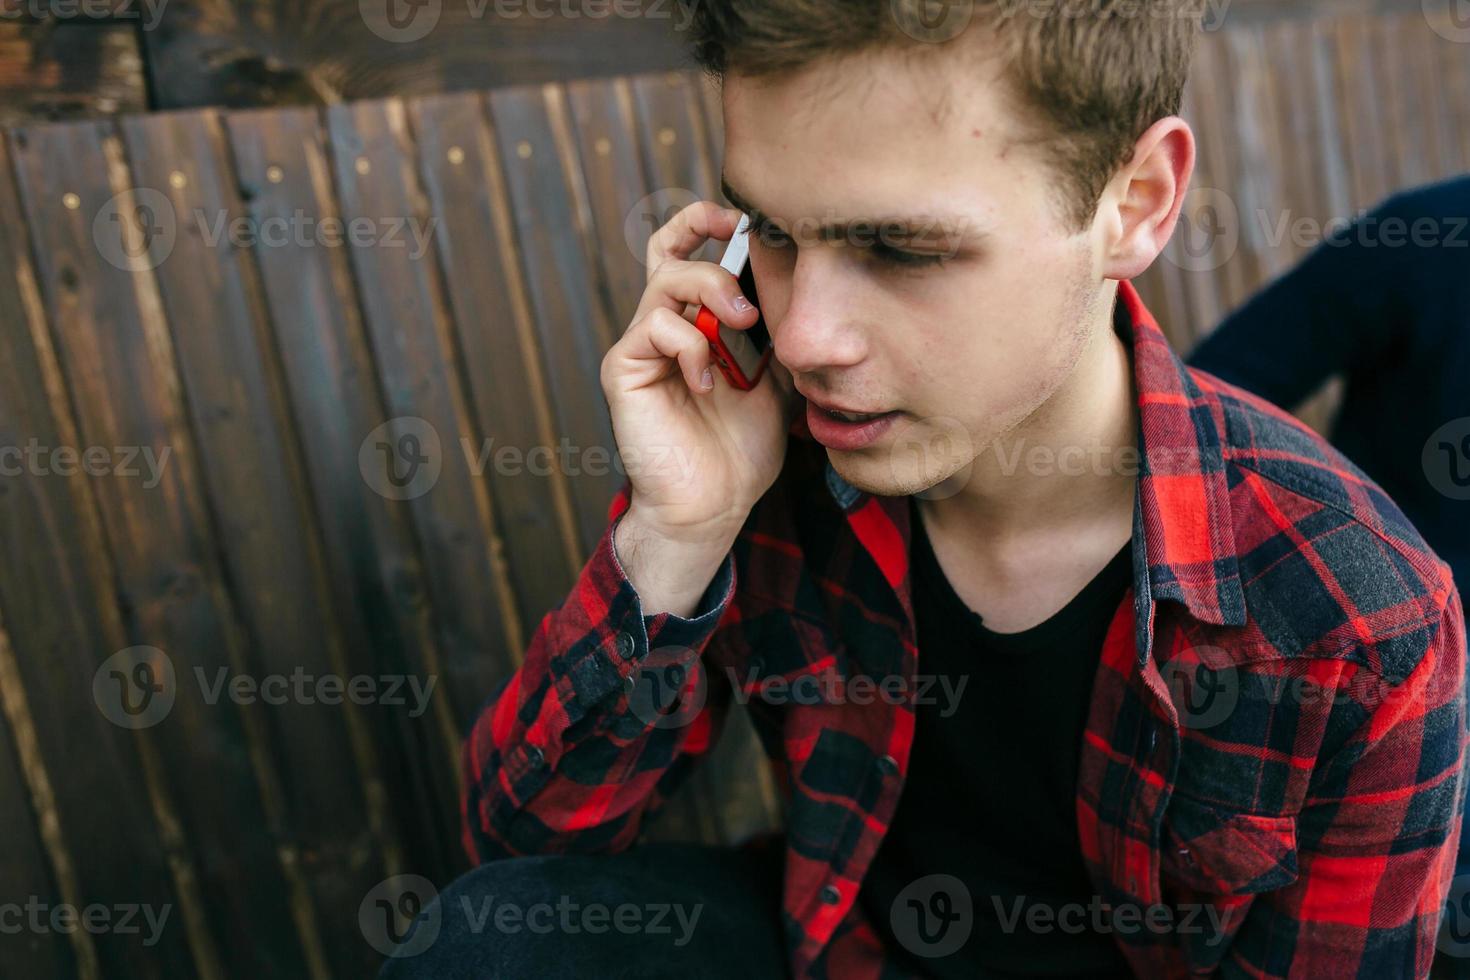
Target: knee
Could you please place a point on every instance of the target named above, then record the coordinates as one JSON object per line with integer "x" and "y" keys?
{"x": 518, "y": 917}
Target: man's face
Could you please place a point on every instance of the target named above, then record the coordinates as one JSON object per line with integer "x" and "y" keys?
{"x": 965, "y": 349}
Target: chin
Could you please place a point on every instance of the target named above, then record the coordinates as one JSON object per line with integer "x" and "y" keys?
{"x": 896, "y": 474}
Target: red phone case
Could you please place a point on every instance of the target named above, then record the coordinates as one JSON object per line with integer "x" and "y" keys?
{"x": 745, "y": 377}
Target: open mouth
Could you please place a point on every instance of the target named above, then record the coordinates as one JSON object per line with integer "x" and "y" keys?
{"x": 855, "y": 416}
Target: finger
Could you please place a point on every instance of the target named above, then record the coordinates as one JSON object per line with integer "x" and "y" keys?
{"x": 682, "y": 284}
{"x": 685, "y": 232}
{"x": 665, "y": 336}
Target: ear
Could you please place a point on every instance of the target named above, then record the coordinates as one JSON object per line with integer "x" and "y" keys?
{"x": 1141, "y": 204}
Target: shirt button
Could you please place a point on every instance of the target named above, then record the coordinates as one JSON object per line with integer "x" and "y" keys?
{"x": 888, "y": 765}
{"x": 630, "y": 683}
{"x": 830, "y": 894}
{"x": 626, "y": 645}
{"x": 535, "y": 756}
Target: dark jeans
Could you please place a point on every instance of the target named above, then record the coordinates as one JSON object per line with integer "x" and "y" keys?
{"x": 655, "y": 911}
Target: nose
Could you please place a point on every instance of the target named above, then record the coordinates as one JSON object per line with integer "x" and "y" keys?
{"x": 818, "y": 331}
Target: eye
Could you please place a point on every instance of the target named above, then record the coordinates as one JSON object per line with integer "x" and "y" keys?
{"x": 897, "y": 258}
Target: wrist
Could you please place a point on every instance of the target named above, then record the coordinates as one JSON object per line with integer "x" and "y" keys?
{"x": 669, "y": 569}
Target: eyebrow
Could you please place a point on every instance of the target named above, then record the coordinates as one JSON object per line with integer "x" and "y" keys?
{"x": 940, "y": 229}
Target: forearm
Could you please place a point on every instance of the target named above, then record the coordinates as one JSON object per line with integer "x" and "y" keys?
{"x": 529, "y": 786}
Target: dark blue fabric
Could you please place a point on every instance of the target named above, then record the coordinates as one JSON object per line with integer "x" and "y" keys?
{"x": 1389, "y": 309}
{"x": 736, "y": 932}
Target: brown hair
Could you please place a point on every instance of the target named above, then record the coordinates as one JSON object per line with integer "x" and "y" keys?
{"x": 1096, "y": 73}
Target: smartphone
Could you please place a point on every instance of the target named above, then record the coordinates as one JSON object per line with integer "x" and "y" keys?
{"x": 740, "y": 354}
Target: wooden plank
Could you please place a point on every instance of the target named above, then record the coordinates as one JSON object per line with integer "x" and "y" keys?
{"x": 675, "y": 144}
{"x": 625, "y": 210}
{"x": 1361, "y": 111}
{"x": 56, "y": 595}
{"x": 270, "y": 52}
{"x": 375, "y": 571}
{"x": 532, "y": 135}
{"x": 119, "y": 367}
{"x": 1211, "y": 206}
{"x": 492, "y": 316}
{"x": 68, "y": 69}
{"x": 334, "y": 827}
{"x": 25, "y": 951}
{"x": 408, "y": 327}
{"x": 1449, "y": 71}
{"x": 1404, "y": 136}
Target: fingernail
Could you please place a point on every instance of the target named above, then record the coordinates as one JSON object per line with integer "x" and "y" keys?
{"x": 706, "y": 380}
{"x": 741, "y": 304}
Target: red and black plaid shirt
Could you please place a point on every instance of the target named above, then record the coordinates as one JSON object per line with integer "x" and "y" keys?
{"x": 1277, "y": 727}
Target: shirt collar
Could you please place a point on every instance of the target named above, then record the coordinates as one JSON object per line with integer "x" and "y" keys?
{"x": 1183, "y": 537}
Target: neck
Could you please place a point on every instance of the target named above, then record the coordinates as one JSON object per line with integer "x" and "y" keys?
{"x": 1068, "y": 465}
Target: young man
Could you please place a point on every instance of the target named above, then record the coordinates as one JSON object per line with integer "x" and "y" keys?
{"x": 1204, "y": 682}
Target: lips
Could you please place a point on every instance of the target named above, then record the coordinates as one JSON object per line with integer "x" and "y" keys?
{"x": 847, "y": 431}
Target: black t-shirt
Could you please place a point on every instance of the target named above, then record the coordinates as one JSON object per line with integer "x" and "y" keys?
{"x": 990, "y": 794}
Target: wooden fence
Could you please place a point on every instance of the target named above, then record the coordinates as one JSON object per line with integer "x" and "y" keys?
{"x": 251, "y": 367}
